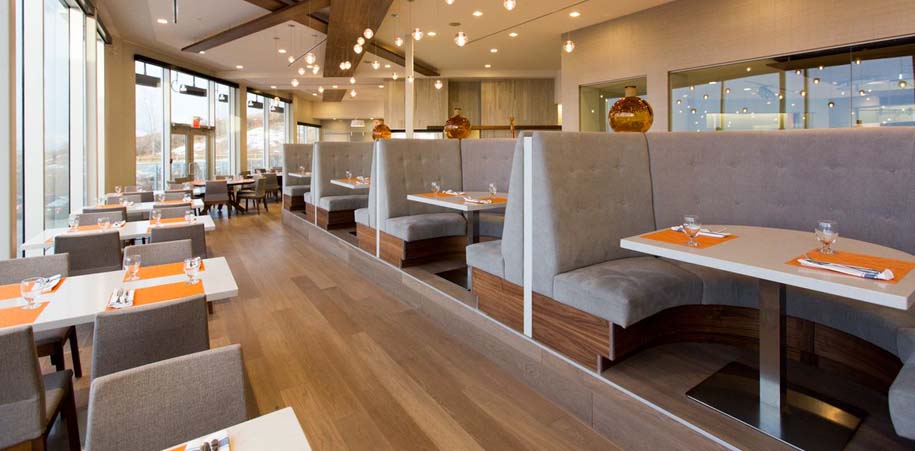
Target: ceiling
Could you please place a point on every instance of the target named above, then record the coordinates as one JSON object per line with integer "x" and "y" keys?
{"x": 534, "y": 53}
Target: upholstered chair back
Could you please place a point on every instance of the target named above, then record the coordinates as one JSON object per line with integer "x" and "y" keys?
{"x": 296, "y": 156}
{"x": 90, "y": 252}
{"x": 22, "y": 400}
{"x": 161, "y": 253}
{"x": 194, "y": 232}
{"x": 332, "y": 160}
{"x": 16, "y": 269}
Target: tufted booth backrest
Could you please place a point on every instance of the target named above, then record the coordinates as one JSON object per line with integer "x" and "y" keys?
{"x": 332, "y": 160}
{"x": 294, "y": 157}
{"x": 590, "y": 190}
{"x": 408, "y": 166}
{"x": 513, "y": 229}
{"x": 862, "y": 178}
{"x": 485, "y": 161}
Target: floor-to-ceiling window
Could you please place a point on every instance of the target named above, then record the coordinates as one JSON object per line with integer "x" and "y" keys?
{"x": 277, "y": 136}
{"x": 57, "y": 113}
{"x": 269, "y": 128}
{"x": 150, "y": 125}
{"x": 255, "y": 138}
{"x": 223, "y": 155}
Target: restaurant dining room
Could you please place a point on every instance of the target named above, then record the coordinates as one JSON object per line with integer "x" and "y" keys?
{"x": 296, "y": 225}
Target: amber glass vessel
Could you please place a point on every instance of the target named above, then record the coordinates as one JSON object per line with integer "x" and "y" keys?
{"x": 631, "y": 114}
{"x": 381, "y": 131}
{"x": 458, "y": 126}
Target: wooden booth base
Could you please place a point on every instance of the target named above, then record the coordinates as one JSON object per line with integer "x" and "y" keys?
{"x": 410, "y": 253}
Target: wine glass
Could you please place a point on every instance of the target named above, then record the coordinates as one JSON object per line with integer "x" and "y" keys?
{"x": 189, "y": 216}
{"x": 349, "y": 175}
{"x": 132, "y": 266}
{"x": 492, "y": 191}
{"x": 827, "y": 233}
{"x": 117, "y": 189}
{"x": 691, "y": 226}
{"x": 435, "y": 188}
{"x": 160, "y": 197}
{"x": 73, "y": 222}
{"x": 186, "y": 198}
{"x": 102, "y": 201}
{"x": 155, "y": 217}
{"x": 104, "y": 222}
{"x": 30, "y": 289}
{"x": 122, "y": 201}
{"x": 191, "y": 268}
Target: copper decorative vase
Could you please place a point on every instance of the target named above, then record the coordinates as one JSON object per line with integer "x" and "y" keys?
{"x": 458, "y": 126}
{"x": 631, "y": 114}
{"x": 381, "y": 131}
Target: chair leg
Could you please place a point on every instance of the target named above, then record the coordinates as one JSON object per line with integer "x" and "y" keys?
{"x": 265, "y": 205}
{"x": 210, "y": 307}
{"x": 69, "y": 414}
{"x": 38, "y": 444}
{"x": 59, "y": 357}
{"x": 257, "y": 204}
{"x": 74, "y": 353}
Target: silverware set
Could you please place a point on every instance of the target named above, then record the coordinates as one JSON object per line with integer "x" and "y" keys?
{"x": 856, "y": 268}
{"x": 122, "y": 298}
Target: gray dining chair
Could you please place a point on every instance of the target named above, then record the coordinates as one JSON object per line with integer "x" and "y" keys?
{"x": 173, "y": 211}
{"x": 90, "y": 216}
{"x": 174, "y": 195}
{"x": 115, "y": 200}
{"x": 50, "y": 342}
{"x": 161, "y": 253}
{"x": 135, "y": 336}
{"x": 184, "y": 205}
{"x": 91, "y": 252}
{"x": 273, "y": 185}
{"x": 30, "y": 403}
{"x": 258, "y": 195}
{"x": 217, "y": 193}
{"x": 194, "y": 232}
{"x": 188, "y": 396}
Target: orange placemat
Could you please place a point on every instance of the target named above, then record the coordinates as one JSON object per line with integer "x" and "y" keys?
{"x": 174, "y": 202}
{"x": 11, "y": 291}
{"x": 436, "y": 196}
{"x": 109, "y": 206}
{"x": 169, "y": 221}
{"x": 899, "y": 267}
{"x": 179, "y": 448}
{"x": 672, "y": 236}
{"x": 16, "y": 316}
{"x": 167, "y": 292}
{"x": 154, "y": 272}
{"x": 495, "y": 200}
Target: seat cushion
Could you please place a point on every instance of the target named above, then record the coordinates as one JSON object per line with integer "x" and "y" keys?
{"x": 297, "y": 190}
{"x": 487, "y": 257}
{"x": 293, "y": 180}
{"x": 56, "y": 387}
{"x": 724, "y": 288}
{"x": 341, "y": 203}
{"x": 426, "y": 226}
{"x": 491, "y": 224}
{"x": 902, "y": 402}
{"x": 362, "y": 216}
{"x": 627, "y": 290}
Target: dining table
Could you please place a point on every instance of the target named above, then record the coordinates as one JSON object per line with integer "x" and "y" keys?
{"x": 145, "y": 207}
{"x": 233, "y": 184}
{"x": 276, "y": 431}
{"x": 131, "y": 230}
{"x": 353, "y": 183}
{"x": 761, "y": 397}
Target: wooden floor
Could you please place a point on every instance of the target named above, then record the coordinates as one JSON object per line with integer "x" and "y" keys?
{"x": 361, "y": 369}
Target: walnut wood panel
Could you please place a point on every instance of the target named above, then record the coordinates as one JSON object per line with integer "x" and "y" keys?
{"x": 291, "y": 203}
{"x": 409, "y": 253}
{"x": 505, "y": 305}
{"x": 334, "y": 95}
{"x": 579, "y": 336}
{"x": 310, "y": 212}
{"x": 335, "y": 219}
{"x": 529, "y": 101}
{"x": 366, "y": 237}
{"x": 466, "y": 96}
{"x": 348, "y": 19}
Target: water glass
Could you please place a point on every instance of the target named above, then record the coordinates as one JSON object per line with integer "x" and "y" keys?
{"x": 691, "y": 226}
{"x": 104, "y": 223}
{"x": 117, "y": 189}
{"x": 492, "y": 191}
{"x": 30, "y": 289}
{"x": 160, "y": 197}
{"x": 186, "y": 198}
{"x": 189, "y": 216}
{"x": 191, "y": 268}
{"x": 186, "y": 185}
{"x": 827, "y": 233}
{"x": 132, "y": 266}
{"x": 122, "y": 201}
{"x": 103, "y": 200}
{"x": 155, "y": 217}
{"x": 349, "y": 175}
{"x": 435, "y": 188}
{"x": 73, "y": 222}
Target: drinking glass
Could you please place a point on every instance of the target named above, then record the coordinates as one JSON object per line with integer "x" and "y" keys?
{"x": 492, "y": 191}
{"x": 73, "y": 222}
{"x": 117, "y": 189}
{"x": 186, "y": 198}
{"x": 155, "y": 217}
{"x": 435, "y": 188}
{"x": 132, "y": 266}
{"x": 103, "y": 200}
{"x": 123, "y": 201}
{"x": 302, "y": 170}
{"x": 104, "y": 222}
{"x": 30, "y": 289}
{"x": 691, "y": 226}
{"x": 827, "y": 233}
{"x": 189, "y": 216}
{"x": 186, "y": 185}
{"x": 160, "y": 198}
{"x": 349, "y": 175}
{"x": 191, "y": 268}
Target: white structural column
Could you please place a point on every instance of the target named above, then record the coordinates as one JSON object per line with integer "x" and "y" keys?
{"x": 528, "y": 268}
{"x": 92, "y": 96}
{"x": 7, "y": 125}
{"x": 33, "y": 115}
{"x": 408, "y": 89}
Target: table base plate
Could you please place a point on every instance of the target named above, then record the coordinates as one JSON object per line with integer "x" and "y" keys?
{"x": 807, "y": 421}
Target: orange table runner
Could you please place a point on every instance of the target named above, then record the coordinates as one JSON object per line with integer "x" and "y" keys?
{"x": 436, "y": 196}
{"x": 674, "y": 237}
{"x": 156, "y": 271}
{"x": 11, "y": 291}
{"x": 16, "y": 316}
{"x": 899, "y": 267}
{"x": 442, "y": 195}
{"x": 169, "y": 221}
{"x": 354, "y": 180}
{"x": 167, "y": 292}
{"x": 174, "y": 202}
{"x": 109, "y": 206}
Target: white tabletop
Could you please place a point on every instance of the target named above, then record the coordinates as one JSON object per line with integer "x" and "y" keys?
{"x": 458, "y": 203}
{"x": 275, "y": 431}
{"x": 299, "y": 174}
{"x": 80, "y": 298}
{"x": 129, "y": 231}
{"x": 762, "y": 253}
{"x": 145, "y": 207}
{"x": 352, "y": 183}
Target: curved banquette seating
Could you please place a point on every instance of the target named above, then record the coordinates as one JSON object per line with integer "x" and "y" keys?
{"x": 597, "y": 303}
{"x": 332, "y": 206}
{"x": 296, "y": 157}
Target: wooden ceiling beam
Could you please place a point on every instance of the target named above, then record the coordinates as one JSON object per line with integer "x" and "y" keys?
{"x": 334, "y": 95}
{"x": 348, "y": 18}
{"x": 276, "y": 17}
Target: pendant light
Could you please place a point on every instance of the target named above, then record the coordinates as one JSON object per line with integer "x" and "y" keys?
{"x": 302, "y": 71}
{"x": 409, "y": 79}
{"x": 461, "y": 39}
{"x": 510, "y": 4}
{"x": 439, "y": 84}
{"x": 352, "y": 93}
{"x": 376, "y": 65}
{"x": 398, "y": 41}
{"x": 368, "y": 33}
{"x": 357, "y": 48}
{"x": 295, "y": 82}
{"x": 352, "y": 80}
{"x": 394, "y": 76}
{"x": 417, "y": 34}
{"x": 310, "y": 57}
{"x": 568, "y": 45}
{"x": 321, "y": 89}
{"x": 315, "y": 69}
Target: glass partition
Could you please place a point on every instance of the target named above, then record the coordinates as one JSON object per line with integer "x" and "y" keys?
{"x": 596, "y": 100}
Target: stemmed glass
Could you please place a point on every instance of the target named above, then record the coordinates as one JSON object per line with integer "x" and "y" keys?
{"x": 73, "y": 222}
{"x": 191, "y": 268}
{"x": 102, "y": 201}
{"x": 189, "y": 216}
{"x": 30, "y": 289}
{"x": 117, "y": 189}
{"x": 691, "y": 226}
{"x": 492, "y": 191}
{"x": 349, "y": 175}
{"x": 155, "y": 217}
{"x": 132, "y": 266}
{"x": 827, "y": 233}
{"x": 104, "y": 222}
{"x": 186, "y": 198}
{"x": 435, "y": 188}
{"x": 160, "y": 197}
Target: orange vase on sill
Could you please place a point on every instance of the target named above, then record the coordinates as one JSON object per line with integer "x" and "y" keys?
{"x": 631, "y": 113}
{"x": 381, "y": 130}
{"x": 458, "y": 126}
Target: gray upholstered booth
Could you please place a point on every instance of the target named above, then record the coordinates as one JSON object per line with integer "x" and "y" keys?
{"x": 295, "y": 158}
{"x": 485, "y": 161}
{"x": 336, "y": 204}
{"x": 584, "y": 282}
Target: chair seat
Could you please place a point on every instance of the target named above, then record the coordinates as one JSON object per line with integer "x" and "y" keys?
{"x": 341, "y": 203}
{"x": 487, "y": 256}
{"x": 51, "y": 336}
{"x": 297, "y": 190}
{"x": 491, "y": 224}
{"x": 426, "y": 226}
{"x": 627, "y": 290}
{"x": 56, "y": 387}
{"x": 249, "y": 195}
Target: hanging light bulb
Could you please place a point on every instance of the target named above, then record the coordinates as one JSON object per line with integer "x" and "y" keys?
{"x": 417, "y": 34}
{"x": 376, "y": 65}
{"x": 291, "y": 59}
{"x": 301, "y": 71}
{"x": 398, "y": 41}
{"x": 394, "y": 76}
{"x": 409, "y": 78}
{"x": 368, "y": 33}
{"x": 461, "y": 39}
{"x": 352, "y": 93}
{"x": 510, "y": 4}
{"x": 357, "y": 48}
{"x": 439, "y": 84}
{"x": 343, "y": 65}
{"x": 310, "y": 58}
{"x": 569, "y": 46}
{"x": 449, "y": 2}
{"x": 352, "y": 80}
{"x": 295, "y": 82}
{"x": 321, "y": 89}
{"x": 349, "y": 65}
{"x": 315, "y": 69}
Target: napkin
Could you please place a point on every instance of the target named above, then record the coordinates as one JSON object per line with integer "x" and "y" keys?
{"x": 50, "y": 283}
{"x": 856, "y": 271}
{"x": 703, "y": 232}
{"x": 477, "y": 201}
{"x": 222, "y": 437}
{"x": 453, "y": 193}
{"x": 115, "y": 302}
{"x": 362, "y": 179}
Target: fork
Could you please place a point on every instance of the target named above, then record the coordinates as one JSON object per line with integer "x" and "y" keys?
{"x": 859, "y": 268}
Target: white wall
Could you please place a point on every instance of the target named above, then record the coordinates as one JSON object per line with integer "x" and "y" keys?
{"x": 694, "y": 33}
{"x": 348, "y": 109}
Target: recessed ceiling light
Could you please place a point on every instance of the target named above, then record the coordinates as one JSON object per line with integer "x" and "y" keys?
{"x": 239, "y": 67}
{"x": 574, "y": 14}
{"x": 381, "y": 86}
{"x": 202, "y": 52}
{"x": 488, "y": 66}
{"x": 432, "y": 34}
{"x": 477, "y": 13}
{"x": 513, "y": 35}
{"x": 162, "y": 21}
{"x": 387, "y": 66}
{"x": 494, "y": 50}
{"x": 281, "y": 51}
{"x": 272, "y": 86}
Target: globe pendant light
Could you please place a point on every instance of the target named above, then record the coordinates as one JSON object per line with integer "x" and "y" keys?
{"x": 439, "y": 84}
{"x": 376, "y": 65}
{"x": 301, "y": 71}
{"x": 357, "y": 48}
{"x": 295, "y": 82}
{"x": 315, "y": 69}
{"x": 343, "y": 65}
{"x": 417, "y": 34}
{"x": 360, "y": 40}
{"x": 352, "y": 93}
{"x": 394, "y": 76}
{"x": 310, "y": 58}
{"x": 398, "y": 41}
{"x": 569, "y": 46}
{"x": 321, "y": 89}
{"x": 461, "y": 39}
{"x": 352, "y": 80}
{"x": 510, "y": 4}
{"x": 368, "y": 33}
